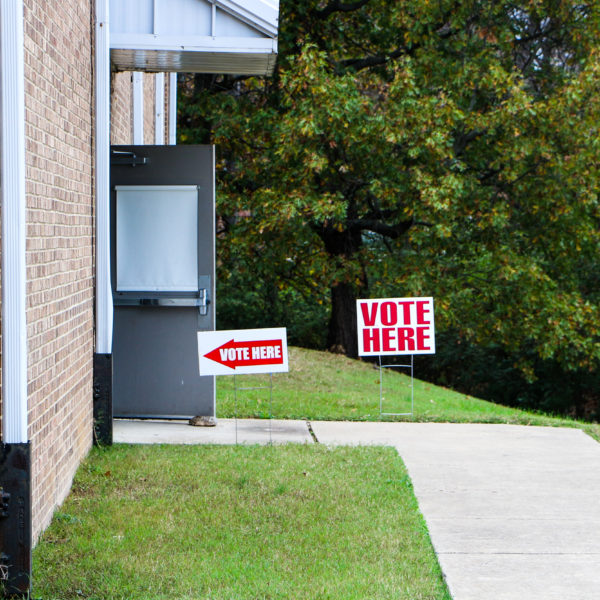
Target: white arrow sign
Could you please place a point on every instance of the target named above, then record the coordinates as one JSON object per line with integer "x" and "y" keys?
{"x": 243, "y": 351}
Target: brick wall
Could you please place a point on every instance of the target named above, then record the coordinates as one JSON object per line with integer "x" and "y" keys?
{"x": 60, "y": 285}
{"x": 59, "y": 113}
{"x": 149, "y": 80}
{"x": 121, "y": 119}
{"x": 121, "y": 109}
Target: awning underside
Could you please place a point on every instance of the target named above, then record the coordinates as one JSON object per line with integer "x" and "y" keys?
{"x": 204, "y": 36}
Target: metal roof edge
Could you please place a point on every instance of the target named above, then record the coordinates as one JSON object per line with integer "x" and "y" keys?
{"x": 263, "y": 15}
{"x": 198, "y": 43}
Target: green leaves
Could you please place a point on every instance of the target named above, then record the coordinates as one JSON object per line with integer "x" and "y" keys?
{"x": 436, "y": 148}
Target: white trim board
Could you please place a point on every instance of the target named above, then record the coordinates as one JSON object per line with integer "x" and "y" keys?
{"x": 14, "y": 273}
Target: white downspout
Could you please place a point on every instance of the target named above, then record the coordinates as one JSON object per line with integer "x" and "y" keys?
{"x": 159, "y": 109}
{"x": 172, "y": 109}
{"x": 14, "y": 273}
{"x": 104, "y": 303}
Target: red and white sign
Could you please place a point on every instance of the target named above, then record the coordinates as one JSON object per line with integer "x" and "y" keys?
{"x": 390, "y": 326}
{"x": 238, "y": 352}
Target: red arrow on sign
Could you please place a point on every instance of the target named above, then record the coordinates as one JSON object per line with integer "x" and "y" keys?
{"x": 234, "y": 354}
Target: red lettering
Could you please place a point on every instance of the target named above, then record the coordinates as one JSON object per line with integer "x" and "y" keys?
{"x": 421, "y": 337}
{"x": 406, "y": 304}
{"x": 422, "y": 309}
{"x": 371, "y": 338}
{"x": 406, "y": 339}
{"x": 389, "y": 314}
{"x": 388, "y": 335}
{"x": 369, "y": 319}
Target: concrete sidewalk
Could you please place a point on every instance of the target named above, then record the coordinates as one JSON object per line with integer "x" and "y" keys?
{"x": 513, "y": 511}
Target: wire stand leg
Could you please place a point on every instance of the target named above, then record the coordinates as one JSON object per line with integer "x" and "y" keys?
{"x": 235, "y": 407}
{"x": 410, "y": 366}
{"x": 412, "y": 385}
{"x": 380, "y": 389}
{"x": 271, "y": 409}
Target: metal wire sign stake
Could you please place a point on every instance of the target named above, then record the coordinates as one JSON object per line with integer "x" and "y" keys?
{"x": 395, "y": 327}
{"x": 237, "y": 389}
{"x": 244, "y": 352}
{"x": 412, "y": 389}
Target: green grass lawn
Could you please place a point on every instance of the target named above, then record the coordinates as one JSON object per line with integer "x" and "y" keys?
{"x": 325, "y": 386}
{"x": 235, "y": 523}
{"x": 261, "y": 523}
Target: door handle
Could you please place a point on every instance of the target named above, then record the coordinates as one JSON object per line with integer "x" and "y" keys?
{"x": 203, "y": 302}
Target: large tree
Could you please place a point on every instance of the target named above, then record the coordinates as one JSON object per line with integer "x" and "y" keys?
{"x": 445, "y": 148}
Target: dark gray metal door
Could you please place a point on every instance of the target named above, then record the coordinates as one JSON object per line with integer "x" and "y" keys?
{"x": 163, "y": 257}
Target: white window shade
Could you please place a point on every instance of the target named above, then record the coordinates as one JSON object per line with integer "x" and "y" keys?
{"x": 157, "y": 238}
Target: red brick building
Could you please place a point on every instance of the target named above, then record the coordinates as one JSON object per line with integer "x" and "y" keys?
{"x": 73, "y": 81}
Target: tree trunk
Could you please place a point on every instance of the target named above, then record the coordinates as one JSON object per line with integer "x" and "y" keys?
{"x": 341, "y": 337}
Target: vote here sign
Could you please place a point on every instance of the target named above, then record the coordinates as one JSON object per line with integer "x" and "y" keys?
{"x": 242, "y": 351}
{"x": 390, "y": 326}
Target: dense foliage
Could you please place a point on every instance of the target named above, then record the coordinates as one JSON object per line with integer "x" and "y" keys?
{"x": 413, "y": 147}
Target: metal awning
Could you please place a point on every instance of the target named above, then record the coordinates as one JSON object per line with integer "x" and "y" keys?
{"x": 202, "y": 36}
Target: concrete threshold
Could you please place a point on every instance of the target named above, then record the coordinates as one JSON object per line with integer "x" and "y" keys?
{"x": 227, "y": 431}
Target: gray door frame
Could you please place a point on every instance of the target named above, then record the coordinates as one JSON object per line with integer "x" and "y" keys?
{"x": 155, "y": 358}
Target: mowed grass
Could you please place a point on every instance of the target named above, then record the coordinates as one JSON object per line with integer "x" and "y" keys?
{"x": 261, "y": 523}
{"x": 240, "y": 522}
{"x": 325, "y": 386}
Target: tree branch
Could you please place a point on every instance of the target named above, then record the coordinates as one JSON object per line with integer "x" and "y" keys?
{"x": 443, "y": 31}
{"x": 377, "y": 226}
{"x": 337, "y": 6}
{"x": 376, "y": 60}
{"x": 463, "y": 139}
